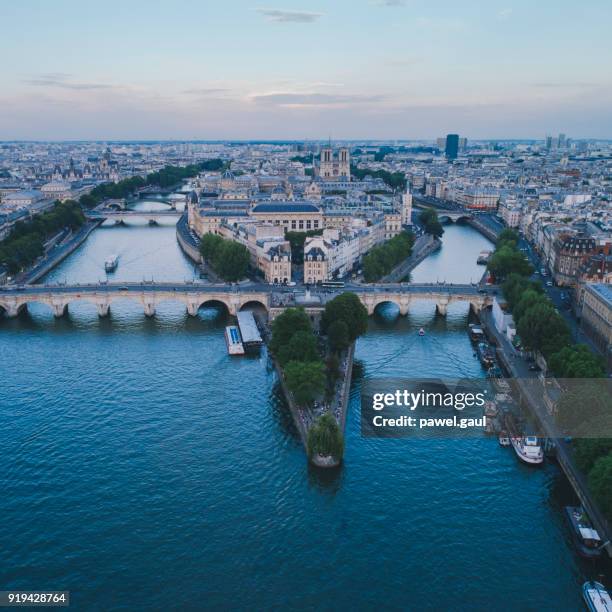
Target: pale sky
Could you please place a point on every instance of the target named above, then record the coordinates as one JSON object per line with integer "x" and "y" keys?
{"x": 135, "y": 69}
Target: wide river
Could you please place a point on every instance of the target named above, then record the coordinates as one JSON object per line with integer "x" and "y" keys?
{"x": 143, "y": 468}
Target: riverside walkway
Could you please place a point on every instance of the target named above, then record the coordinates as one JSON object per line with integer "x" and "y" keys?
{"x": 531, "y": 390}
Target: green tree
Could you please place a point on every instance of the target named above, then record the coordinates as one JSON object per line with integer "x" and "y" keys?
{"x": 346, "y": 307}
{"x": 383, "y": 258}
{"x": 325, "y": 438}
{"x": 588, "y": 450}
{"x": 305, "y": 380}
{"x": 541, "y": 328}
{"x": 209, "y": 245}
{"x": 508, "y": 260}
{"x": 289, "y": 322}
{"x": 395, "y": 180}
{"x": 600, "y": 483}
{"x": 576, "y": 362}
{"x": 338, "y": 336}
{"x": 231, "y": 260}
{"x": 431, "y": 223}
{"x": 302, "y": 346}
{"x": 508, "y": 236}
{"x": 529, "y": 299}
{"x": 515, "y": 285}
{"x": 584, "y": 408}
{"x": 26, "y": 241}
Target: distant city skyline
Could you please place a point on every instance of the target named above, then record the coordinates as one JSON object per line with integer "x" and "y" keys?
{"x": 368, "y": 69}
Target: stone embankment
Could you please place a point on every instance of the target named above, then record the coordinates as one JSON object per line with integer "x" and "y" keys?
{"x": 423, "y": 247}
{"x": 338, "y": 408}
{"x": 58, "y": 254}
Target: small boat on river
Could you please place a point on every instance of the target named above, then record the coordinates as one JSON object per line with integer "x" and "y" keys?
{"x": 527, "y": 449}
{"x": 596, "y": 597}
{"x": 586, "y": 538}
{"x": 233, "y": 340}
{"x": 110, "y": 265}
{"x": 486, "y": 355}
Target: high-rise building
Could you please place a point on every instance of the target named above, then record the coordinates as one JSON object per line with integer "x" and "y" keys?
{"x": 452, "y": 146}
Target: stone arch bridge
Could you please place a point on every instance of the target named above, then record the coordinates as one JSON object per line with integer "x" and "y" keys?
{"x": 194, "y": 295}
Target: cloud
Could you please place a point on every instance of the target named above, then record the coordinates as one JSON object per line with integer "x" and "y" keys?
{"x": 61, "y": 79}
{"x": 504, "y": 14}
{"x": 205, "y": 91}
{"x": 390, "y": 2}
{"x": 280, "y": 16}
{"x": 296, "y": 100}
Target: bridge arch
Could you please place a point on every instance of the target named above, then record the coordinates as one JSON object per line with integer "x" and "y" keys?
{"x": 253, "y": 303}
{"x": 453, "y": 217}
{"x": 386, "y": 307}
{"x": 217, "y": 303}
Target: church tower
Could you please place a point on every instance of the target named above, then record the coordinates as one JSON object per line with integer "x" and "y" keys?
{"x": 344, "y": 163}
{"x": 407, "y": 207}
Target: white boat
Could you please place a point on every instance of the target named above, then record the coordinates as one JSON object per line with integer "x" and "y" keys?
{"x": 503, "y": 438}
{"x": 421, "y": 332}
{"x": 596, "y": 597}
{"x": 233, "y": 340}
{"x": 110, "y": 265}
{"x": 527, "y": 449}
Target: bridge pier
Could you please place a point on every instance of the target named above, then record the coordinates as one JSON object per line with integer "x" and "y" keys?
{"x": 234, "y": 305}
{"x": 192, "y": 308}
{"x": 149, "y": 309}
{"x": 12, "y": 310}
{"x": 477, "y": 306}
{"x": 103, "y": 309}
{"x": 404, "y": 306}
{"x": 59, "y": 309}
{"x": 442, "y": 306}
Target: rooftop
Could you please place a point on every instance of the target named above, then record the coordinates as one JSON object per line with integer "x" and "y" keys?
{"x": 290, "y": 207}
{"x": 604, "y": 290}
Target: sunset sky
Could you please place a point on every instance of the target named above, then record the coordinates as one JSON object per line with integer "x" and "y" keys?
{"x": 344, "y": 69}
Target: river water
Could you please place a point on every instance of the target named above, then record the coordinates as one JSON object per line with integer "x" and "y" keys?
{"x": 143, "y": 468}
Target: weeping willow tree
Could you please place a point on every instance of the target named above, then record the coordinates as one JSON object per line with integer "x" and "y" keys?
{"x": 325, "y": 438}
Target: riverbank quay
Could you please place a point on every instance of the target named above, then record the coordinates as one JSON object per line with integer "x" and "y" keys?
{"x": 531, "y": 390}
{"x": 488, "y": 231}
{"x": 58, "y": 254}
{"x": 423, "y": 247}
{"x": 345, "y": 387}
{"x": 190, "y": 245}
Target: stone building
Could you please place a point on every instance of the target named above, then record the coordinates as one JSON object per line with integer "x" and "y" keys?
{"x": 596, "y": 319}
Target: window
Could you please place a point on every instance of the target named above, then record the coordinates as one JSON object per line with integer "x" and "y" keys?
{"x": 293, "y": 225}
{"x": 301, "y": 224}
